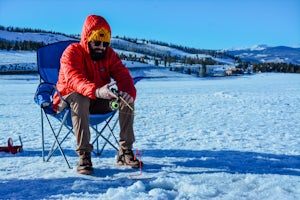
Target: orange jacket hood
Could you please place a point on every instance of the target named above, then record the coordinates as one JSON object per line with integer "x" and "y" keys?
{"x": 92, "y": 22}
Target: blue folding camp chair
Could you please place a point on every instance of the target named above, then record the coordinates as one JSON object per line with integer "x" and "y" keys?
{"x": 48, "y": 62}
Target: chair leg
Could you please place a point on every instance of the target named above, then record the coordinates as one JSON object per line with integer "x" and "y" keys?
{"x": 57, "y": 141}
{"x": 103, "y": 146}
{"x": 43, "y": 139}
{"x": 111, "y": 130}
{"x": 54, "y": 144}
{"x": 99, "y": 134}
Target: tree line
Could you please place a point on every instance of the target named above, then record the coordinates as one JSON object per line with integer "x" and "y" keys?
{"x": 31, "y": 30}
{"x": 213, "y": 53}
{"x": 20, "y": 45}
{"x": 160, "y": 58}
{"x": 276, "y": 67}
{"x": 25, "y": 45}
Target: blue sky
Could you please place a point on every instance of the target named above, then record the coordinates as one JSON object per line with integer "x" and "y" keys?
{"x": 207, "y": 24}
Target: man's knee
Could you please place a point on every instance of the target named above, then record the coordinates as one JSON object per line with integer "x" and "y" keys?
{"x": 78, "y": 101}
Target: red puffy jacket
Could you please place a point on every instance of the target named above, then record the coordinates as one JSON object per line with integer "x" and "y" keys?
{"x": 79, "y": 73}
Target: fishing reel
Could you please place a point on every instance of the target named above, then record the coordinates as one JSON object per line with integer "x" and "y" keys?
{"x": 115, "y": 103}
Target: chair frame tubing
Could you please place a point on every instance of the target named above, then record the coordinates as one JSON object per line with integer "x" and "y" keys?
{"x": 57, "y": 144}
{"x": 99, "y": 134}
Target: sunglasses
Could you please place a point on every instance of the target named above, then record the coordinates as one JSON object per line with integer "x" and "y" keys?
{"x": 98, "y": 43}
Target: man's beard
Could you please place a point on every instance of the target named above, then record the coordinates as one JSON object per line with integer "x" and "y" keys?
{"x": 97, "y": 56}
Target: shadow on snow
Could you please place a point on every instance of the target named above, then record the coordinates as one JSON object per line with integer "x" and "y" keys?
{"x": 186, "y": 161}
{"x": 230, "y": 161}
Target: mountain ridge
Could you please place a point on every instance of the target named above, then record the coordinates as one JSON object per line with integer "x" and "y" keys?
{"x": 255, "y": 54}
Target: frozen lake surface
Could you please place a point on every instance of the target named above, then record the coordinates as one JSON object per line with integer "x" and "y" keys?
{"x": 215, "y": 138}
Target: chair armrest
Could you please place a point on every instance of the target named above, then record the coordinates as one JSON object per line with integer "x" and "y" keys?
{"x": 59, "y": 95}
{"x": 44, "y": 95}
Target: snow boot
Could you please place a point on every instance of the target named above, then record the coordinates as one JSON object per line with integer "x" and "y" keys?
{"x": 126, "y": 157}
{"x": 85, "y": 164}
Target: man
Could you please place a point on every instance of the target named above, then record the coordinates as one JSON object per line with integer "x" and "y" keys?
{"x": 84, "y": 80}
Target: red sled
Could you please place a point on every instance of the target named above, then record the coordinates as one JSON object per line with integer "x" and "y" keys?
{"x": 11, "y": 148}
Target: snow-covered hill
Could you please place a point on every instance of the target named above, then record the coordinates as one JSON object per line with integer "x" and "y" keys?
{"x": 153, "y": 48}
{"x": 47, "y": 38}
{"x": 265, "y": 54}
{"x": 26, "y": 60}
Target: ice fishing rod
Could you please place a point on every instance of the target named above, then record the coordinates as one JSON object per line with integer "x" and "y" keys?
{"x": 114, "y": 104}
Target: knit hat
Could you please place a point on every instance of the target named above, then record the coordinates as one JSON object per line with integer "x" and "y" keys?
{"x": 101, "y": 34}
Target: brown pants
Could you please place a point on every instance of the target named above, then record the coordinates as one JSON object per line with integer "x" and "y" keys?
{"x": 82, "y": 107}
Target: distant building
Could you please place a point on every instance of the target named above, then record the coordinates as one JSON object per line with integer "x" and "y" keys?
{"x": 218, "y": 70}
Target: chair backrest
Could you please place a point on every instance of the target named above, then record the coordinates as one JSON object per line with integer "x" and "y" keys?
{"x": 48, "y": 60}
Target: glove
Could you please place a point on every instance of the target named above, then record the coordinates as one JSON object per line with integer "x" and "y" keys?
{"x": 105, "y": 93}
{"x": 129, "y": 99}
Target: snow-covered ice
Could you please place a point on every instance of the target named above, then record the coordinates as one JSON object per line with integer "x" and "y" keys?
{"x": 201, "y": 138}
